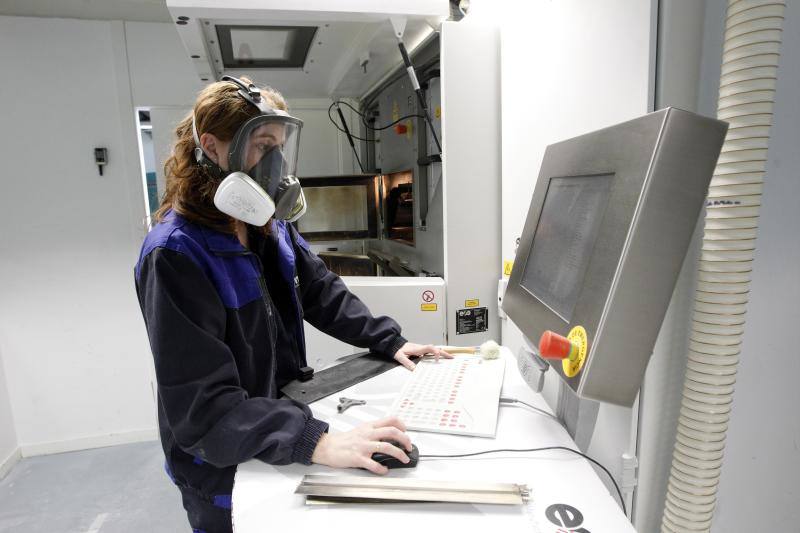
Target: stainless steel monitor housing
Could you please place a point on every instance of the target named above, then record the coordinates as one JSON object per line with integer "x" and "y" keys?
{"x": 655, "y": 172}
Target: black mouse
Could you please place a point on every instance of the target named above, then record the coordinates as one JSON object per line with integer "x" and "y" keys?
{"x": 392, "y": 462}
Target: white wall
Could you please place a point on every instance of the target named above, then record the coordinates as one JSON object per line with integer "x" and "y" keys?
{"x": 164, "y": 120}
{"x": 77, "y": 361}
{"x": 71, "y": 334}
{"x": 160, "y": 70}
{"x": 568, "y": 68}
{"x": 162, "y": 79}
{"x": 324, "y": 151}
{"x": 9, "y": 447}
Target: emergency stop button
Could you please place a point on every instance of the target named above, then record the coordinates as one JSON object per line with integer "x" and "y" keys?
{"x": 571, "y": 349}
{"x": 554, "y": 346}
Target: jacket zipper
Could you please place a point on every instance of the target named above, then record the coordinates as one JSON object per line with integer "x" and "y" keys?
{"x": 297, "y": 311}
{"x": 267, "y": 301}
{"x": 273, "y": 327}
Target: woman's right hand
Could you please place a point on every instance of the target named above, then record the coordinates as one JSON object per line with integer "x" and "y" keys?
{"x": 354, "y": 448}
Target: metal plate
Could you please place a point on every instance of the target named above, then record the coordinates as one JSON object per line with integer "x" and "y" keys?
{"x": 354, "y": 369}
{"x": 373, "y": 490}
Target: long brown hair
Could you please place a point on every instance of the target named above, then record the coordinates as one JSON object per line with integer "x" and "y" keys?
{"x": 219, "y": 110}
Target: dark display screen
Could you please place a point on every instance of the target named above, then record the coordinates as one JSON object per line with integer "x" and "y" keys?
{"x": 564, "y": 239}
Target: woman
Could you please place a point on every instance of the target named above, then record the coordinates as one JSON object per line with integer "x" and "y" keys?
{"x": 224, "y": 283}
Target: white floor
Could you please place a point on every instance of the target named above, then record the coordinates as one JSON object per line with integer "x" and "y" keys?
{"x": 121, "y": 489}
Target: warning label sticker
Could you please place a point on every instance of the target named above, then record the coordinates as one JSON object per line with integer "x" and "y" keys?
{"x": 429, "y": 307}
{"x": 473, "y": 320}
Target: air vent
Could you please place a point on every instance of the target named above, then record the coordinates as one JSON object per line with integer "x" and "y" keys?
{"x": 265, "y": 46}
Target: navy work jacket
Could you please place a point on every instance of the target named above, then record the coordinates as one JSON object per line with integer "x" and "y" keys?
{"x": 226, "y": 330}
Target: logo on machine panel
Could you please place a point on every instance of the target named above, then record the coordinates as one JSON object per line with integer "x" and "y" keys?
{"x": 567, "y": 517}
{"x": 472, "y": 320}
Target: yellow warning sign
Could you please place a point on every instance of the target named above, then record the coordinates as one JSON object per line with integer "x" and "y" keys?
{"x": 508, "y": 266}
{"x": 429, "y": 307}
{"x": 438, "y": 112}
{"x": 472, "y": 303}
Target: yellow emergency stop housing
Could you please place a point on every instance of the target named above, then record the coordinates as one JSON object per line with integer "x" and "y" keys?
{"x": 574, "y": 363}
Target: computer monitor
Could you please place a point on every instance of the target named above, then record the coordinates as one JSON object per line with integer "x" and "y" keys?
{"x": 612, "y": 216}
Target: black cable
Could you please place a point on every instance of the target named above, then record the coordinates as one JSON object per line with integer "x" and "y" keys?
{"x": 386, "y": 127}
{"x": 349, "y": 137}
{"x": 330, "y": 117}
{"x": 546, "y": 448}
{"x": 358, "y": 160}
{"x": 367, "y": 103}
{"x": 373, "y": 128}
{"x": 356, "y": 111}
{"x": 509, "y": 401}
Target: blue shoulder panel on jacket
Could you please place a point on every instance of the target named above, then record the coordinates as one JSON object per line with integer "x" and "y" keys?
{"x": 301, "y": 241}
{"x": 218, "y": 255}
{"x": 286, "y": 257}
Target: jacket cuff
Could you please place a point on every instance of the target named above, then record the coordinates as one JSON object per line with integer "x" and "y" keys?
{"x": 395, "y": 345}
{"x": 304, "y": 448}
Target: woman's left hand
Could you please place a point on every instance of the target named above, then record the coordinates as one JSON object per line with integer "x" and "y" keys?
{"x": 410, "y": 349}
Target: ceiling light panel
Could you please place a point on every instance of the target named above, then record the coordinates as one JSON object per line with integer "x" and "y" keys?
{"x": 282, "y": 47}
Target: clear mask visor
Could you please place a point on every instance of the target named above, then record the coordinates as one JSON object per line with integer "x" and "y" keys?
{"x": 266, "y": 149}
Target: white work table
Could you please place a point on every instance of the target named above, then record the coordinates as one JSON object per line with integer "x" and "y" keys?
{"x": 264, "y": 498}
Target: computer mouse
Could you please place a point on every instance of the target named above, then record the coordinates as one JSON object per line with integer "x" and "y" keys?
{"x": 392, "y": 462}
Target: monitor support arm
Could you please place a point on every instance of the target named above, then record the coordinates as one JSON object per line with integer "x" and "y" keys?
{"x": 577, "y": 415}
{"x": 536, "y": 366}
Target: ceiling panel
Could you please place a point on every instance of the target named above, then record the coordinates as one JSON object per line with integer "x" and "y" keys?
{"x": 135, "y": 10}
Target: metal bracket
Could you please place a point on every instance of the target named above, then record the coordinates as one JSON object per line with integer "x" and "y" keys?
{"x": 399, "y": 26}
{"x": 629, "y": 465}
{"x": 532, "y": 367}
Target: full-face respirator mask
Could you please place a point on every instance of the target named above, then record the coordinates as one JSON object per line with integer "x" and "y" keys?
{"x": 262, "y": 160}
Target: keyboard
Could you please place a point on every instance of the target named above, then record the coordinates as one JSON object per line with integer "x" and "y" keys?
{"x": 459, "y": 396}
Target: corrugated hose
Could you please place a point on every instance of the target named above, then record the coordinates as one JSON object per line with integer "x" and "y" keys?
{"x": 746, "y": 98}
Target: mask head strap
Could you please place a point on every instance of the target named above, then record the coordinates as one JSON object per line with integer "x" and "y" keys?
{"x": 198, "y": 150}
{"x": 200, "y": 156}
{"x": 249, "y": 92}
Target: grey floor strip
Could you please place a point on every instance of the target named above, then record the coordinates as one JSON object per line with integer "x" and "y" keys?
{"x": 120, "y": 489}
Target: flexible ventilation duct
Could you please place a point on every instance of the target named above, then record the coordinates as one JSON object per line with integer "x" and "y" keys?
{"x": 746, "y": 97}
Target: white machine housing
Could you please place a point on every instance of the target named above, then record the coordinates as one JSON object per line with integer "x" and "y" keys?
{"x": 417, "y": 304}
{"x": 350, "y": 31}
{"x": 344, "y": 34}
